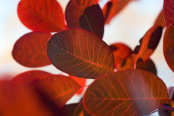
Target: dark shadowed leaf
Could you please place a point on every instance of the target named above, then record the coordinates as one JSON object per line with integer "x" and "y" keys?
{"x": 148, "y": 44}
{"x": 56, "y": 88}
{"x": 85, "y": 14}
{"x": 128, "y": 63}
{"x": 19, "y": 100}
{"x": 168, "y": 46}
{"x": 128, "y": 92}
{"x": 29, "y": 76}
{"x": 120, "y": 52}
{"x": 41, "y": 15}
{"x": 31, "y": 51}
{"x": 113, "y": 7}
{"x": 73, "y": 110}
{"x": 80, "y": 53}
{"x": 160, "y": 19}
{"x": 81, "y": 82}
{"x": 168, "y": 12}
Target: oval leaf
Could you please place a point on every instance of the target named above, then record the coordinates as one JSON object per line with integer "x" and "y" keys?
{"x": 41, "y": 15}
{"x": 80, "y": 53}
{"x": 128, "y": 92}
{"x": 30, "y": 49}
{"x": 57, "y": 88}
{"x": 120, "y": 52}
{"x": 85, "y": 14}
{"x": 148, "y": 44}
{"x": 168, "y": 46}
{"x": 168, "y": 12}
{"x": 29, "y": 76}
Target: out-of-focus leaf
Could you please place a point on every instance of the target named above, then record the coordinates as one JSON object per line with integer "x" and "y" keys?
{"x": 85, "y": 14}
{"x": 81, "y": 82}
{"x": 113, "y": 7}
{"x": 31, "y": 50}
{"x": 128, "y": 63}
{"x": 56, "y": 88}
{"x": 148, "y": 44}
{"x": 76, "y": 109}
{"x": 80, "y": 53}
{"x": 168, "y": 12}
{"x": 120, "y": 52}
{"x": 160, "y": 19}
{"x": 168, "y": 46}
{"x": 29, "y": 76}
{"x": 128, "y": 92}
{"x": 41, "y": 15}
{"x": 19, "y": 100}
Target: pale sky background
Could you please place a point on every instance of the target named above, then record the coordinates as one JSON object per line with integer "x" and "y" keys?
{"x": 127, "y": 27}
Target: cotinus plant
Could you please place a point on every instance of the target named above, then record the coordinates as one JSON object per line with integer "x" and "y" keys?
{"x": 125, "y": 80}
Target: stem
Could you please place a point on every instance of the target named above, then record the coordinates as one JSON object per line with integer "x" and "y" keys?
{"x": 169, "y": 108}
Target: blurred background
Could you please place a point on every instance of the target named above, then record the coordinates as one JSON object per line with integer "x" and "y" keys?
{"x": 127, "y": 27}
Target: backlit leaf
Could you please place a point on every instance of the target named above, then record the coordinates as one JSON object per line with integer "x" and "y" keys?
{"x": 168, "y": 46}
{"x": 80, "y": 53}
{"x": 148, "y": 44}
{"x": 113, "y": 7}
{"x": 128, "y": 92}
{"x": 120, "y": 52}
{"x": 29, "y": 76}
{"x": 160, "y": 19}
{"x": 81, "y": 82}
{"x": 57, "y": 88}
{"x": 85, "y": 14}
{"x": 41, "y": 15}
{"x": 168, "y": 12}
{"x": 30, "y": 49}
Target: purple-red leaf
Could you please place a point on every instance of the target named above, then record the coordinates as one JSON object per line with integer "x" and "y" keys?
{"x": 120, "y": 52}
{"x": 85, "y": 14}
{"x": 148, "y": 44}
{"x": 80, "y": 53}
{"x": 168, "y": 12}
{"x": 168, "y": 46}
{"x": 160, "y": 19}
{"x": 128, "y": 92}
{"x": 41, "y": 15}
{"x": 56, "y": 88}
{"x": 29, "y": 76}
{"x": 30, "y": 49}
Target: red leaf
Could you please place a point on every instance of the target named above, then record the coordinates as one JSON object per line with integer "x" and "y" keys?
{"x": 160, "y": 19}
{"x": 80, "y": 53}
{"x": 57, "y": 88}
{"x": 28, "y": 76}
{"x": 80, "y": 81}
{"x": 85, "y": 14}
{"x": 168, "y": 46}
{"x": 168, "y": 12}
{"x": 30, "y": 49}
{"x": 113, "y": 7}
{"x": 121, "y": 52}
{"x": 19, "y": 100}
{"x": 128, "y": 92}
{"x": 41, "y": 15}
{"x": 148, "y": 44}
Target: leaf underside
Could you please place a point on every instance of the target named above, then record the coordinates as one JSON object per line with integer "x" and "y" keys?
{"x": 80, "y": 53}
{"x": 127, "y": 92}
